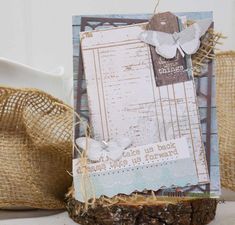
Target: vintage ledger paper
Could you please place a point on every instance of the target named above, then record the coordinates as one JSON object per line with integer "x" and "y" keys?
{"x": 125, "y": 101}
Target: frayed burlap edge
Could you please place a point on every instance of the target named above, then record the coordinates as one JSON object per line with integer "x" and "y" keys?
{"x": 33, "y": 165}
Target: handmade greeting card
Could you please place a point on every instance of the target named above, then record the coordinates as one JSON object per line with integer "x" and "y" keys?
{"x": 153, "y": 104}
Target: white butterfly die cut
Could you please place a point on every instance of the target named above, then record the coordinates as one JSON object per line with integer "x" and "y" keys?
{"x": 97, "y": 150}
{"x": 187, "y": 41}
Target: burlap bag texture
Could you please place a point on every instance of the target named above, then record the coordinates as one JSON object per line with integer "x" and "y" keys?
{"x": 36, "y": 133}
{"x": 226, "y": 116}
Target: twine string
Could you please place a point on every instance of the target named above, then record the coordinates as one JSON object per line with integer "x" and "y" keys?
{"x": 86, "y": 185}
{"x": 156, "y": 6}
{"x": 154, "y": 13}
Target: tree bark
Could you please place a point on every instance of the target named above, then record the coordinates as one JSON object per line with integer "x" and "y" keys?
{"x": 176, "y": 211}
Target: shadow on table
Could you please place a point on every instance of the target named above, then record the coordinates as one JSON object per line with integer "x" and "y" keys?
{"x": 30, "y": 213}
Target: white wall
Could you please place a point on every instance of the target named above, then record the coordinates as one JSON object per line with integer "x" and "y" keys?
{"x": 13, "y": 31}
{"x": 39, "y": 32}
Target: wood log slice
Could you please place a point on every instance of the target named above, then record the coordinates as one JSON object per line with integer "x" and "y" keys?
{"x": 144, "y": 211}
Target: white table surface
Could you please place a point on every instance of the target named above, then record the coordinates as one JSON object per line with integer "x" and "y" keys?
{"x": 225, "y": 216}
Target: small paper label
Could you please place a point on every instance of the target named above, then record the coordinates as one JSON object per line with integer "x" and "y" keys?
{"x": 142, "y": 155}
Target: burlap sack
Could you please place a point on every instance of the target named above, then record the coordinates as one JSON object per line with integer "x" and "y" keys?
{"x": 35, "y": 149}
{"x": 226, "y": 116}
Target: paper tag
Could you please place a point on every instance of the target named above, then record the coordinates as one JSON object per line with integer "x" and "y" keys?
{"x": 168, "y": 71}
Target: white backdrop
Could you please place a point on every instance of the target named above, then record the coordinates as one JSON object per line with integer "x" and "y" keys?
{"x": 39, "y": 32}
